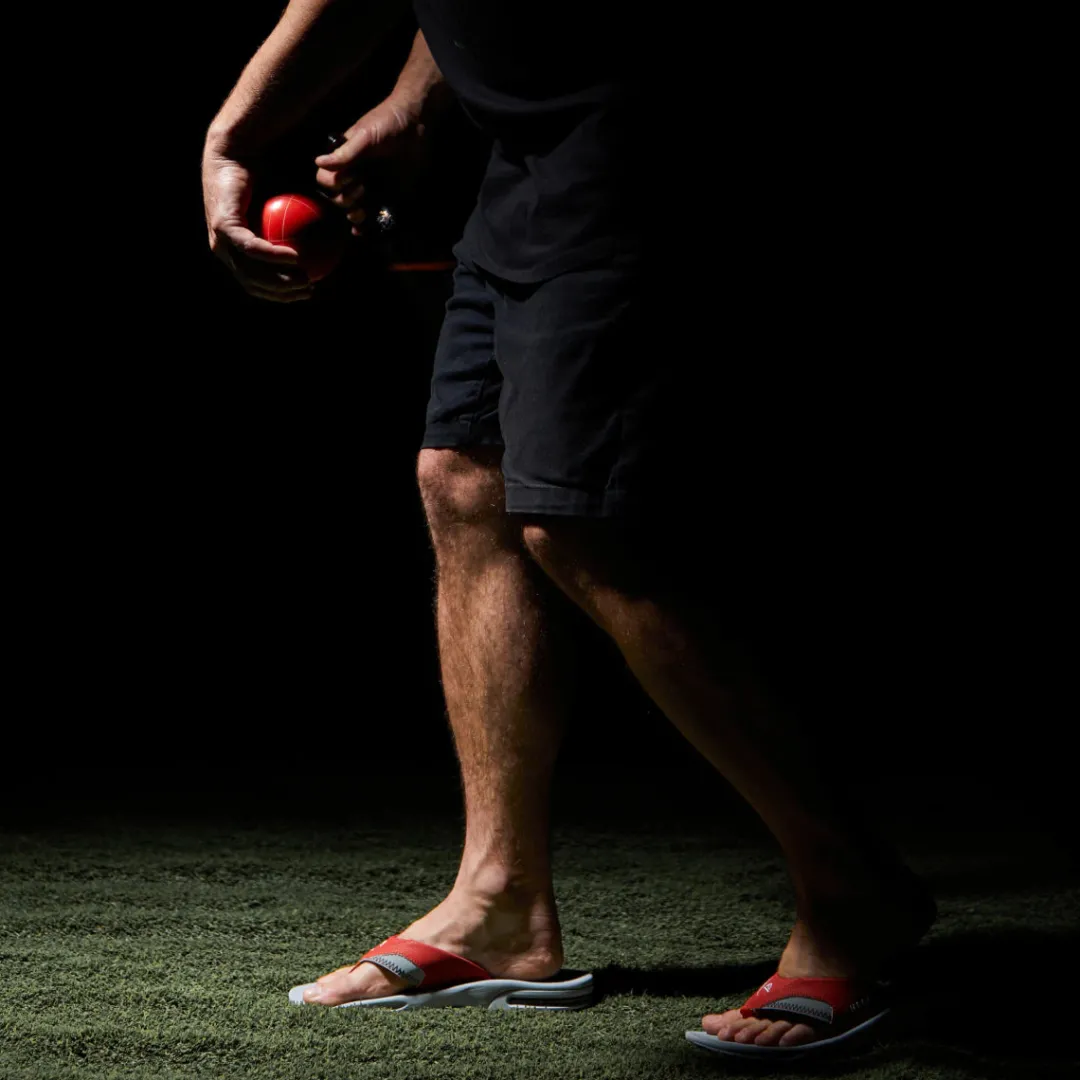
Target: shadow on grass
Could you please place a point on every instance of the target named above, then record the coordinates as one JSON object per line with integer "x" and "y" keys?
{"x": 615, "y": 980}
{"x": 1001, "y": 879}
{"x": 975, "y": 995}
{"x": 968, "y": 1003}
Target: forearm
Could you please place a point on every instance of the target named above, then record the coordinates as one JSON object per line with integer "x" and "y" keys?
{"x": 420, "y": 85}
{"x": 315, "y": 45}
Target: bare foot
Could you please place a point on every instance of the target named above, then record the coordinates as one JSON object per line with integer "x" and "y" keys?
{"x": 512, "y": 932}
{"x": 846, "y": 937}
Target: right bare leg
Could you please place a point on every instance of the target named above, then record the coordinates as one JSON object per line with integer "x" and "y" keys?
{"x": 501, "y": 684}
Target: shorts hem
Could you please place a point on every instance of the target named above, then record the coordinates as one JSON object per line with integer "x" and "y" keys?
{"x": 448, "y": 436}
{"x": 564, "y": 502}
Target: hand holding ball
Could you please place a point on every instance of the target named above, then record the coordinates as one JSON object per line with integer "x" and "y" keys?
{"x": 314, "y": 227}
{"x": 314, "y": 231}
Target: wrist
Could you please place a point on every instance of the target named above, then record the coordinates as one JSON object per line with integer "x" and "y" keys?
{"x": 408, "y": 97}
{"x": 238, "y": 137}
{"x": 217, "y": 141}
{"x": 224, "y": 140}
{"x": 414, "y": 88}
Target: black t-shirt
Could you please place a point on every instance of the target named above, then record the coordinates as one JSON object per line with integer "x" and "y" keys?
{"x": 740, "y": 139}
{"x": 557, "y": 86}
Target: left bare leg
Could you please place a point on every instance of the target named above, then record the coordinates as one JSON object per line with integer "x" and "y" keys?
{"x": 857, "y": 906}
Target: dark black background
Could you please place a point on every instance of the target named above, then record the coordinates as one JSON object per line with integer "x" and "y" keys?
{"x": 229, "y": 583}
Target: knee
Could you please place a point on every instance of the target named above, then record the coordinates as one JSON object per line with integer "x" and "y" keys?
{"x": 588, "y": 557}
{"x": 584, "y": 556}
{"x": 458, "y": 487}
{"x": 542, "y": 545}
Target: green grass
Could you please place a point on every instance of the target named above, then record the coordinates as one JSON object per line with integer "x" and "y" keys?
{"x": 166, "y": 951}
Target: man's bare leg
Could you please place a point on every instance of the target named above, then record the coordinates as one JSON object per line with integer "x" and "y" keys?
{"x": 501, "y": 695}
{"x": 857, "y": 906}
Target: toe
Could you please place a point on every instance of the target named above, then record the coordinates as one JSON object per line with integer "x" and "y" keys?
{"x": 750, "y": 1031}
{"x": 773, "y": 1033}
{"x": 332, "y": 976}
{"x": 353, "y": 984}
{"x": 799, "y": 1034}
{"x": 715, "y": 1023}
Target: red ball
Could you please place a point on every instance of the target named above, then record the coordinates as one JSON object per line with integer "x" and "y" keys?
{"x": 315, "y": 232}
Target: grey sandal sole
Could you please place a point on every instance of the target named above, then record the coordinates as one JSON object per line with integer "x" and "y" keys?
{"x": 485, "y": 993}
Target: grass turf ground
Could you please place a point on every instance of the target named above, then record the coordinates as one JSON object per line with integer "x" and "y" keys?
{"x": 162, "y": 950}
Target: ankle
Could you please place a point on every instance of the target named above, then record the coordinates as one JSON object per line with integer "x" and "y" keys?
{"x": 862, "y": 926}
{"x": 510, "y": 907}
{"x": 505, "y": 882}
{"x": 809, "y": 955}
{"x": 839, "y": 870}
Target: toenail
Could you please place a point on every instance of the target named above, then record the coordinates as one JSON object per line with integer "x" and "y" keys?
{"x": 313, "y": 995}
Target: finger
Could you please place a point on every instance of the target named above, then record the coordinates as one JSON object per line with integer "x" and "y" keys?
{"x": 357, "y": 215}
{"x": 268, "y": 280}
{"x": 244, "y": 242}
{"x": 337, "y": 159}
{"x": 335, "y": 180}
{"x": 277, "y": 296}
{"x": 357, "y": 140}
{"x": 349, "y": 197}
{"x": 266, "y": 276}
{"x": 276, "y": 287}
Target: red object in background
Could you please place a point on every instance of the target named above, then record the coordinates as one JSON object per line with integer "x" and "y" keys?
{"x": 315, "y": 232}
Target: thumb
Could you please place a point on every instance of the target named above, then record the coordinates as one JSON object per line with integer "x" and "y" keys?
{"x": 358, "y": 138}
{"x": 366, "y": 125}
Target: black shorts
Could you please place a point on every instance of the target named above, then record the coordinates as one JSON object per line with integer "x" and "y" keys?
{"x": 563, "y": 375}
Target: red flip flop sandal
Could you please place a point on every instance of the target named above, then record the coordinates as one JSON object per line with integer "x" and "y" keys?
{"x": 439, "y": 979}
{"x": 842, "y": 1009}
